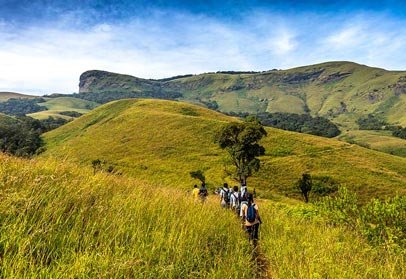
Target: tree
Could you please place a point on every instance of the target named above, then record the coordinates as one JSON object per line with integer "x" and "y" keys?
{"x": 305, "y": 186}
{"x": 198, "y": 175}
{"x": 240, "y": 140}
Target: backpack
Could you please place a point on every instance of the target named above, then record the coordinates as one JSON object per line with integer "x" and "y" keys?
{"x": 203, "y": 192}
{"x": 251, "y": 213}
{"x": 226, "y": 196}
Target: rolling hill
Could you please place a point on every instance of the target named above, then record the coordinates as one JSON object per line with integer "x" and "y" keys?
{"x": 57, "y": 105}
{"x": 4, "y": 96}
{"x": 341, "y": 91}
{"x": 162, "y": 141}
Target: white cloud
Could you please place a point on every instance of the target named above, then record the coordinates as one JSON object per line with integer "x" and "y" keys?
{"x": 50, "y": 57}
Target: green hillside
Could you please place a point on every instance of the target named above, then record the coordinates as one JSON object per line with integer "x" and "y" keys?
{"x": 4, "y": 96}
{"x": 341, "y": 91}
{"x": 60, "y": 104}
{"x": 162, "y": 141}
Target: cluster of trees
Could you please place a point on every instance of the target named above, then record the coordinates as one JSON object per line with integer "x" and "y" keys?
{"x": 399, "y": 132}
{"x": 371, "y": 122}
{"x": 302, "y": 123}
{"x": 71, "y": 113}
{"x": 21, "y": 136}
{"x": 21, "y": 106}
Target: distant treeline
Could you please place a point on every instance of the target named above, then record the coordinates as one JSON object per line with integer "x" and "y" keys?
{"x": 21, "y": 106}
{"x": 21, "y": 136}
{"x": 302, "y": 123}
{"x": 372, "y": 122}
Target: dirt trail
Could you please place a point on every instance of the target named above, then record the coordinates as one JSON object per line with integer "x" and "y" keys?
{"x": 261, "y": 262}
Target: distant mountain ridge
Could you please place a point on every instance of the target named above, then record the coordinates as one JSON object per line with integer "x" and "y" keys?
{"x": 340, "y": 91}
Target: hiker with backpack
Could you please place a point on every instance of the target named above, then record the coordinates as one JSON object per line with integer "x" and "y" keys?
{"x": 251, "y": 219}
{"x": 225, "y": 196}
{"x": 235, "y": 200}
{"x": 243, "y": 189}
{"x": 203, "y": 193}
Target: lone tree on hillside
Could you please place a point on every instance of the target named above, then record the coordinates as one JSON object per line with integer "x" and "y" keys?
{"x": 305, "y": 186}
{"x": 240, "y": 140}
{"x": 198, "y": 175}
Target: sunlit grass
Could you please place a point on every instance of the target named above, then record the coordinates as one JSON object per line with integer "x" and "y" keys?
{"x": 299, "y": 244}
{"x": 58, "y": 220}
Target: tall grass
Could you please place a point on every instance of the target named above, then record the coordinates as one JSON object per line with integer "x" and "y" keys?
{"x": 300, "y": 244}
{"x": 61, "y": 221}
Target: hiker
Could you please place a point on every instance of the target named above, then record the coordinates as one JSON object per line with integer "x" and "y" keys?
{"x": 251, "y": 219}
{"x": 195, "y": 193}
{"x": 243, "y": 189}
{"x": 224, "y": 196}
{"x": 203, "y": 193}
{"x": 235, "y": 200}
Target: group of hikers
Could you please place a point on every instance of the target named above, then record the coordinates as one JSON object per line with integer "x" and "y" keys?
{"x": 239, "y": 201}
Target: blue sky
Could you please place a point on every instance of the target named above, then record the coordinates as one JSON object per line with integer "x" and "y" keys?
{"x": 45, "y": 45}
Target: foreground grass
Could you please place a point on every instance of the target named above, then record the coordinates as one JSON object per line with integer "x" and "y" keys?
{"x": 58, "y": 221}
{"x": 300, "y": 245}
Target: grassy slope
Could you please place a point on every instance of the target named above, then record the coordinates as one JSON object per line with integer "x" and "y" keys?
{"x": 60, "y": 221}
{"x": 362, "y": 89}
{"x": 4, "y": 96}
{"x": 56, "y": 105}
{"x": 162, "y": 141}
{"x": 378, "y": 140}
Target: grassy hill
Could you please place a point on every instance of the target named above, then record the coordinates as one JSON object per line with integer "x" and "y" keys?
{"x": 162, "y": 141}
{"x": 4, "y": 96}
{"x": 341, "y": 91}
{"x": 60, "y": 104}
{"x": 378, "y": 140}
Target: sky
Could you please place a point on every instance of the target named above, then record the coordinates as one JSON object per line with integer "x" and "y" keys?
{"x": 45, "y": 45}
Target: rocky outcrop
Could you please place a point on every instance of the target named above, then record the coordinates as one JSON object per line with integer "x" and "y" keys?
{"x": 400, "y": 86}
{"x": 333, "y": 77}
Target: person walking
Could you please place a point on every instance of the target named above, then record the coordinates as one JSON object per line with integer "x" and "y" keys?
{"x": 195, "y": 193}
{"x": 243, "y": 190}
{"x": 225, "y": 196}
{"x": 251, "y": 219}
{"x": 203, "y": 193}
{"x": 235, "y": 200}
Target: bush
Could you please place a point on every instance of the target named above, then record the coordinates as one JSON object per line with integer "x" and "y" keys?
{"x": 381, "y": 222}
